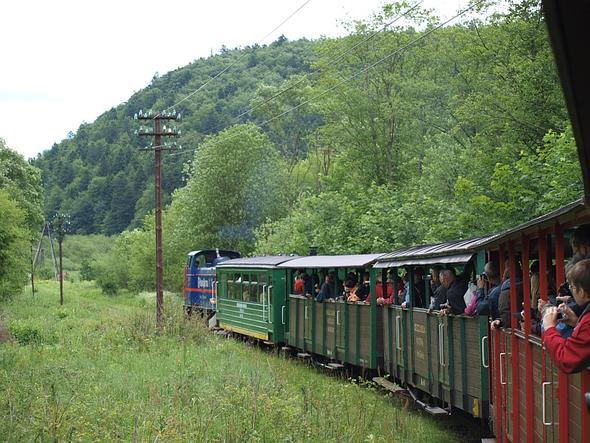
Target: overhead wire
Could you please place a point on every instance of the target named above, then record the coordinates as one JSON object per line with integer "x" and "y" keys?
{"x": 239, "y": 58}
{"x": 362, "y": 71}
{"x": 331, "y": 61}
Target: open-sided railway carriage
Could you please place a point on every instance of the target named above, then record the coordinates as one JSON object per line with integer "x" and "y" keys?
{"x": 344, "y": 332}
{"x": 533, "y": 400}
{"x": 445, "y": 357}
{"x": 251, "y": 297}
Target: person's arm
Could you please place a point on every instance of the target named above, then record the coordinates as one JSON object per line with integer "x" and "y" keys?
{"x": 568, "y": 354}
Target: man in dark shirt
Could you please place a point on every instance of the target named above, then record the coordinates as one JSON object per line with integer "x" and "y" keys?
{"x": 364, "y": 287}
{"x": 438, "y": 291}
{"x": 326, "y": 289}
{"x": 487, "y": 301}
{"x": 456, "y": 289}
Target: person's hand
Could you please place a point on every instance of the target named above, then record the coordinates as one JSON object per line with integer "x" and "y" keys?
{"x": 571, "y": 317}
{"x": 550, "y": 317}
{"x": 404, "y": 305}
{"x": 563, "y": 298}
{"x": 443, "y": 312}
{"x": 496, "y": 324}
{"x": 541, "y": 304}
{"x": 481, "y": 282}
{"x": 380, "y": 300}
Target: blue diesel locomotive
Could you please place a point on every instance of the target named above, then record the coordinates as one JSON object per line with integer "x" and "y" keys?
{"x": 200, "y": 280}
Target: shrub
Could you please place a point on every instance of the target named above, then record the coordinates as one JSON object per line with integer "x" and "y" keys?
{"x": 109, "y": 287}
{"x": 25, "y": 332}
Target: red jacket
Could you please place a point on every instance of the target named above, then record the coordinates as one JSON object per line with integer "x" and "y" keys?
{"x": 379, "y": 293}
{"x": 570, "y": 354}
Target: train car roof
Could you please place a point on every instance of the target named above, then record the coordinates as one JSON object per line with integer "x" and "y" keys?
{"x": 462, "y": 251}
{"x": 268, "y": 261}
{"x": 567, "y": 21}
{"x": 222, "y": 252}
{"x": 331, "y": 261}
{"x": 453, "y": 252}
{"x": 563, "y": 214}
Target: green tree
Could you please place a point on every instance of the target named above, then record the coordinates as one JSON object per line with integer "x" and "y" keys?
{"x": 14, "y": 246}
{"x": 23, "y": 183}
{"x": 237, "y": 181}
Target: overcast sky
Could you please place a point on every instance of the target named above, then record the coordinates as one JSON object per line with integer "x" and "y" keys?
{"x": 68, "y": 61}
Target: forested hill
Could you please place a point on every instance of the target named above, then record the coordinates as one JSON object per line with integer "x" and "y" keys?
{"x": 98, "y": 176}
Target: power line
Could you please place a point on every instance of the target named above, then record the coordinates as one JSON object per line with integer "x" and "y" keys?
{"x": 362, "y": 71}
{"x": 331, "y": 61}
{"x": 238, "y": 59}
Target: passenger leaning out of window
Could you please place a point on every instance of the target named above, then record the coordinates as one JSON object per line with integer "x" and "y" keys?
{"x": 456, "y": 288}
{"x": 381, "y": 300}
{"x": 571, "y": 354}
{"x": 418, "y": 289}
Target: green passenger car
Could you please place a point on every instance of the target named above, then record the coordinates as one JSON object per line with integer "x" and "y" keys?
{"x": 251, "y": 297}
{"x": 345, "y": 332}
{"x": 445, "y": 357}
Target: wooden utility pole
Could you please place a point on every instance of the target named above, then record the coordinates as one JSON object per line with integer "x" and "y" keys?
{"x": 158, "y": 131}
{"x": 46, "y": 227}
{"x": 61, "y": 223}
{"x": 32, "y": 270}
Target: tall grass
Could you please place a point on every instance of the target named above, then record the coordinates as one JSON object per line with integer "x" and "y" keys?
{"x": 97, "y": 369}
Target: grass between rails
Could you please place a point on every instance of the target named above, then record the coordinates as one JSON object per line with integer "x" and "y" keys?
{"x": 95, "y": 369}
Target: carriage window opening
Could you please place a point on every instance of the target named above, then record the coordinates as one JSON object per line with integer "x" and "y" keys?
{"x": 262, "y": 282}
{"x": 245, "y": 288}
{"x": 253, "y": 291}
{"x": 236, "y": 287}
{"x": 199, "y": 261}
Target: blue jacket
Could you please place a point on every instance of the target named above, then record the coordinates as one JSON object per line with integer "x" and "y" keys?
{"x": 488, "y": 305}
{"x": 325, "y": 292}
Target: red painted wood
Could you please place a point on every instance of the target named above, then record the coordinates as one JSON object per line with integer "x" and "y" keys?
{"x": 498, "y": 397}
{"x": 501, "y": 260}
{"x": 514, "y": 307}
{"x": 530, "y": 392}
{"x": 563, "y": 379}
{"x": 584, "y": 410}
{"x": 543, "y": 295}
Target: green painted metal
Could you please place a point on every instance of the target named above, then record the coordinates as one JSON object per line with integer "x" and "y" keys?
{"x": 411, "y": 316}
{"x": 462, "y": 334}
{"x": 346, "y": 334}
{"x": 485, "y": 372}
{"x": 391, "y": 360}
{"x": 404, "y": 352}
{"x": 480, "y": 261}
{"x": 451, "y": 366}
{"x": 373, "y": 352}
{"x": 297, "y": 320}
{"x": 429, "y": 353}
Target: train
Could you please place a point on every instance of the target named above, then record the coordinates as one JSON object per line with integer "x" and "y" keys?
{"x": 502, "y": 376}
{"x": 200, "y": 280}
{"x": 447, "y": 363}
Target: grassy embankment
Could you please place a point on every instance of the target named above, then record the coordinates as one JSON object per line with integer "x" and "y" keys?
{"x": 95, "y": 370}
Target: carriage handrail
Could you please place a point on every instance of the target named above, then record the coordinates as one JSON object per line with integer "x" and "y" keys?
{"x": 268, "y": 316}
{"x": 483, "y": 352}
{"x": 264, "y": 308}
